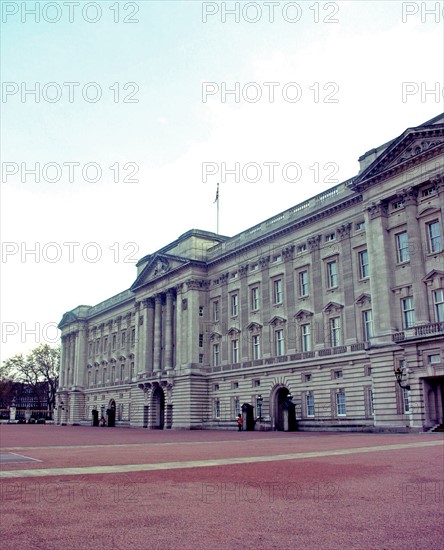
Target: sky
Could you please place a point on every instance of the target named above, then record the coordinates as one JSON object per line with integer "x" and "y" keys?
{"x": 119, "y": 119}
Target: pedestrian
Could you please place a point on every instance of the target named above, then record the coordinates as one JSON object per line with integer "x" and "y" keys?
{"x": 103, "y": 421}
{"x": 239, "y": 422}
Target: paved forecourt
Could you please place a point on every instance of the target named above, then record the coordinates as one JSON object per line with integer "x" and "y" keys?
{"x": 214, "y": 489}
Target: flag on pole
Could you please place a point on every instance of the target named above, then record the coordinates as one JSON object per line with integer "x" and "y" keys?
{"x": 217, "y": 194}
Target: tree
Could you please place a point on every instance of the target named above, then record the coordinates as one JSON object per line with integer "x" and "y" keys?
{"x": 40, "y": 365}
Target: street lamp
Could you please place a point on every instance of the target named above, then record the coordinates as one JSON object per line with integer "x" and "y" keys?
{"x": 401, "y": 375}
{"x": 289, "y": 397}
{"x": 259, "y": 406}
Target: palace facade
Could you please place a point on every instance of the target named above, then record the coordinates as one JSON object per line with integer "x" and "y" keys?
{"x": 299, "y": 322}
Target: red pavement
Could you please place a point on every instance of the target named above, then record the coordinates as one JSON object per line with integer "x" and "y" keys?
{"x": 384, "y": 499}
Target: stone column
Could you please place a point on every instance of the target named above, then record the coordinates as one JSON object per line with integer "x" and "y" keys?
{"x": 157, "y": 332}
{"x": 80, "y": 357}
{"x": 62, "y": 362}
{"x": 72, "y": 361}
{"x": 138, "y": 343}
{"x": 317, "y": 266}
{"x": 178, "y": 348}
{"x": 169, "y": 331}
{"x": 381, "y": 270}
{"x": 417, "y": 263}
{"x": 148, "y": 335}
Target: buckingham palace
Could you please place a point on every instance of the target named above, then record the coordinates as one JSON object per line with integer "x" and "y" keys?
{"x": 327, "y": 316}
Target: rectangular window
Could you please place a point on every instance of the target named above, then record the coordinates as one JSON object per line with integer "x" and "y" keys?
{"x": 306, "y": 337}
{"x": 201, "y": 358}
{"x": 360, "y": 226}
{"x": 335, "y": 332}
{"x": 338, "y": 374}
{"x": 340, "y": 403}
{"x": 113, "y": 374}
{"x": 304, "y": 288}
{"x": 307, "y": 377}
{"x": 364, "y": 271}
{"x": 302, "y": 247}
{"x": 367, "y": 323}
{"x": 438, "y": 299}
{"x": 235, "y": 385}
{"x": 105, "y": 344}
{"x": 330, "y": 237}
{"x": 91, "y": 346}
{"x": 201, "y": 340}
{"x": 103, "y": 376}
{"x": 234, "y": 305}
{"x": 216, "y": 355}
{"x": 434, "y": 359}
{"x": 279, "y": 342}
{"x": 236, "y": 407}
{"x": 277, "y": 291}
{"x": 201, "y": 311}
{"x": 123, "y": 338}
{"x": 332, "y": 274}
{"x": 310, "y": 404}
{"x": 402, "y": 247}
{"x": 406, "y": 400}
{"x": 235, "y": 351}
{"x": 122, "y": 372}
{"x": 133, "y": 337}
{"x": 216, "y": 311}
{"x": 256, "y": 347}
{"x": 114, "y": 341}
{"x": 371, "y": 404}
{"x": 408, "y": 312}
{"x": 131, "y": 371}
{"x": 217, "y": 409}
{"x": 434, "y": 231}
{"x": 255, "y": 298}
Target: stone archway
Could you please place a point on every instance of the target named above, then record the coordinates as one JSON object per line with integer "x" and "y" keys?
{"x": 283, "y": 410}
{"x": 158, "y": 409}
{"x": 111, "y": 414}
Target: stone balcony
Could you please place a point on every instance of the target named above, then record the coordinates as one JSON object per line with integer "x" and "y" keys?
{"x": 430, "y": 329}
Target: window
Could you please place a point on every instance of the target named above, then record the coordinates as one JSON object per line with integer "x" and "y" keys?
{"x": 279, "y": 342}
{"x": 122, "y": 372}
{"x": 310, "y": 404}
{"x": 427, "y": 192}
{"x": 360, "y": 226}
{"x": 371, "y": 403}
{"x": 123, "y": 338}
{"x": 402, "y": 247}
{"x": 406, "y": 400}
{"x": 304, "y": 287}
{"x": 338, "y": 374}
{"x": 408, "y": 312}
{"x": 216, "y": 387}
{"x": 332, "y": 274}
{"x": 96, "y": 377}
{"x": 234, "y": 305}
{"x": 307, "y": 377}
{"x": 255, "y": 298}
{"x": 201, "y": 340}
{"x": 217, "y": 408}
{"x": 201, "y": 358}
{"x": 277, "y": 258}
{"x": 113, "y": 374}
{"x": 132, "y": 370}
{"x": 201, "y": 311}
{"x": 133, "y": 337}
{"x": 216, "y": 311}
{"x": 256, "y": 346}
{"x": 367, "y": 323}
{"x": 277, "y": 291}
{"x": 235, "y": 385}
{"x": 434, "y": 359}
{"x": 114, "y": 341}
{"x": 302, "y": 247}
{"x": 335, "y": 332}
{"x": 103, "y": 376}
{"x": 363, "y": 264}
{"x": 216, "y": 355}
{"x": 90, "y": 350}
{"x": 330, "y": 237}
{"x": 434, "y": 234}
{"x": 340, "y": 403}
{"x": 256, "y": 383}
{"x": 235, "y": 351}
{"x": 398, "y": 204}
{"x": 236, "y": 407}
{"x": 306, "y": 337}
{"x": 438, "y": 299}
{"x": 105, "y": 344}
{"x": 89, "y": 378}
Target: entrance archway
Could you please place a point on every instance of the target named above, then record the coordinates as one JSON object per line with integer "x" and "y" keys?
{"x": 284, "y": 411}
{"x": 111, "y": 414}
{"x": 158, "y": 408}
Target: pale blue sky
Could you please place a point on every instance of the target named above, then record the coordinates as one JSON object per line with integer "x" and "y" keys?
{"x": 170, "y": 132}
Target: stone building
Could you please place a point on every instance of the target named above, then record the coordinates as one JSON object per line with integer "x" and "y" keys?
{"x": 298, "y": 322}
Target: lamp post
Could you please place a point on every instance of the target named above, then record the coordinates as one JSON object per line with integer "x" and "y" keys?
{"x": 259, "y": 406}
{"x": 290, "y": 397}
{"x": 401, "y": 375}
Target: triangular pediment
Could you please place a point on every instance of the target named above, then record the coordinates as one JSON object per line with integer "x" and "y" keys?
{"x": 158, "y": 266}
{"x": 363, "y": 299}
{"x": 333, "y": 307}
{"x": 303, "y": 314}
{"x": 276, "y": 321}
{"x": 435, "y": 274}
{"x": 252, "y": 327}
{"x": 414, "y": 144}
{"x": 234, "y": 331}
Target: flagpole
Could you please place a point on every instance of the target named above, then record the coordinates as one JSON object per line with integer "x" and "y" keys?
{"x": 217, "y": 215}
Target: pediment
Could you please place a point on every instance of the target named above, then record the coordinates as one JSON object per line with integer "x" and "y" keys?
{"x": 234, "y": 331}
{"x": 435, "y": 274}
{"x": 67, "y": 319}
{"x": 363, "y": 299}
{"x": 158, "y": 266}
{"x": 303, "y": 314}
{"x": 414, "y": 144}
{"x": 215, "y": 336}
{"x": 254, "y": 327}
{"x": 333, "y": 307}
{"x": 276, "y": 321}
